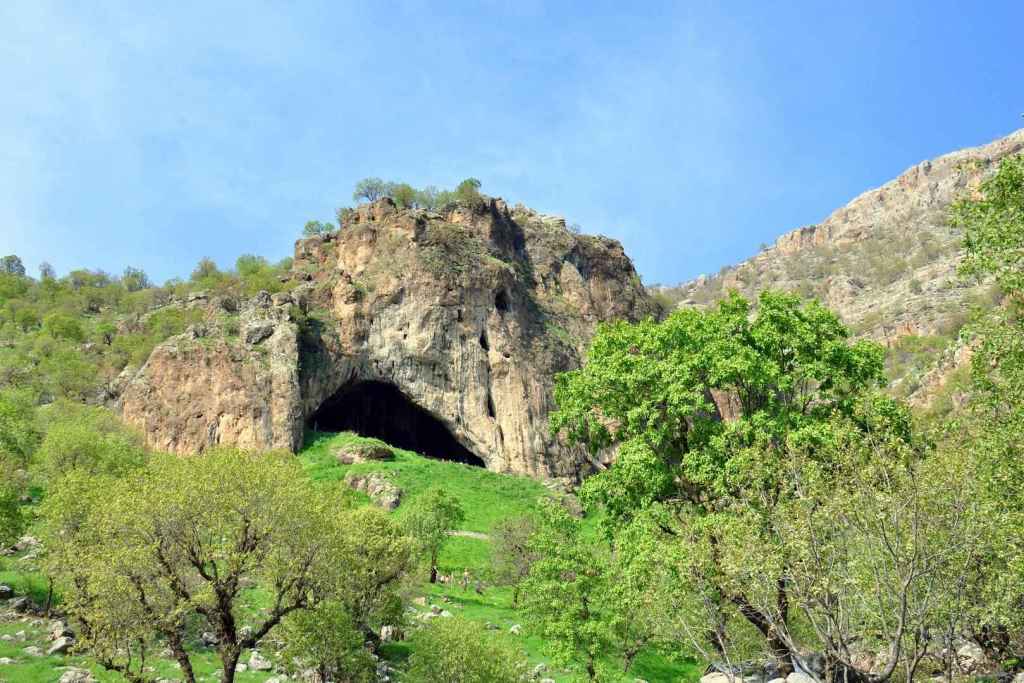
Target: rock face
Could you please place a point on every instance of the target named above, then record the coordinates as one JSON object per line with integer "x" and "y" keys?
{"x": 405, "y": 324}
{"x": 886, "y": 262}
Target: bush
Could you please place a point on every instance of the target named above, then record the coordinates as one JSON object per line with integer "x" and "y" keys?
{"x": 455, "y": 649}
{"x": 327, "y": 640}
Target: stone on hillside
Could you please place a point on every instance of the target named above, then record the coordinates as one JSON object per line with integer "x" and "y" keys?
{"x": 20, "y": 605}
{"x": 61, "y": 646}
{"x": 970, "y": 657}
{"x": 378, "y": 487}
{"x": 258, "y": 662}
{"x": 389, "y": 633}
{"x": 208, "y": 639}
{"x": 33, "y": 651}
{"x": 420, "y": 600}
{"x": 60, "y": 629}
{"x": 515, "y": 629}
{"x": 76, "y": 676}
{"x": 6, "y": 591}
{"x": 717, "y": 677}
{"x": 798, "y": 677}
{"x": 777, "y": 680}
{"x": 364, "y": 452}
{"x": 6, "y": 661}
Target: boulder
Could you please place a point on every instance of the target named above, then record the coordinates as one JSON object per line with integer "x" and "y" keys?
{"x": 208, "y": 639}
{"x": 258, "y": 662}
{"x": 389, "y": 633}
{"x": 60, "y": 629}
{"x": 6, "y": 591}
{"x": 717, "y": 677}
{"x": 61, "y": 646}
{"x": 799, "y": 677}
{"x": 381, "y": 490}
{"x": 33, "y": 651}
{"x": 76, "y": 676}
{"x": 6, "y": 661}
{"x": 515, "y": 629}
{"x": 363, "y": 452}
{"x": 20, "y": 605}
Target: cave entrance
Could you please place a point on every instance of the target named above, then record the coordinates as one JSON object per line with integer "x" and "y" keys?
{"x": 380, "y": 410}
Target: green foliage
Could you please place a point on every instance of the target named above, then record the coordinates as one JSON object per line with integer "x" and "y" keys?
{"x": 12, "y": 265}
{"x": 511, "y": 552}
{"x": 326, "y": 640}
{"x": 316, "y": 228}
{"x": 785, "y": 375}
{"x": 135, "y": 279}
{"x": 369, "y": 190}
{"x": 994, "y": 226}
{"x": 428, "y": 519}
{"x": 206, "y": 271}
{"x": 12, "y": 521}
{"x": 87, "y": 439}
{"x": 457, "y": 650}
{"x": 174, "y": 542}
{"x": 62, "y": 326}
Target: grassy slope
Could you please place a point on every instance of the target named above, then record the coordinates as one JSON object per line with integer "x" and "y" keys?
{"x": 487, "y": 497}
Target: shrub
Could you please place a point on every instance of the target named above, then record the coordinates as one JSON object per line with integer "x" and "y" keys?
{"x": 455, "y": 649}
{"x": 327, "y": 640}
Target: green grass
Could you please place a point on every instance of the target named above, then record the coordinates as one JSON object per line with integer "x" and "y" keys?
{"x": 486, "y": 497}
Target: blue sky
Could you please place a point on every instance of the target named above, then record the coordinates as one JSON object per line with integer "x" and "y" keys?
{"x": 153, "y": 134}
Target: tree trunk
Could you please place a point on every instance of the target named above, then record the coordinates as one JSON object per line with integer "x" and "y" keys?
{"x": 184, "y": 662}
{"x": 515, "y": 597}
{"x": 433, "y": 574}
{"x": 229, "y": 662}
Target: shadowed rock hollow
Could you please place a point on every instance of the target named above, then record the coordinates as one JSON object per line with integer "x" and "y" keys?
{"x": 438, "y": 332}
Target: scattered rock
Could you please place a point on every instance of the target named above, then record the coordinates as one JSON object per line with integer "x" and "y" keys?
{"x": 60, "y": 629}
{"x": 33, "y": 651}
{"x": 208, "y": 639}
{"x": 76, "y": 676}
{"x": 435, "y": 609}
{"x": 242, "y": 667}
{"x": 6, "y": 661}
{"x": 258, "y": 662}
{"x": 717, "y": 677}
{"x": 378, "y": 487}
{"x": 389, "y": 633}
{"x": 20, "y": 605}
{"x": 970, "y": 657}
{"x": 6, "y": 591}
{"x": 364, "y": 452}
{"x": 540, "y": 670}
{"x": 798, "y": 677}
{"x": 257, "y": 331}
{"x": 421, "y": 601}
{"x": 61, "y": 646}
{"x": 515, "y": 629}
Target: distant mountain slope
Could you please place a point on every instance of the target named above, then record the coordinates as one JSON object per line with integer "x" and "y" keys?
{"x": 886, "y": 262}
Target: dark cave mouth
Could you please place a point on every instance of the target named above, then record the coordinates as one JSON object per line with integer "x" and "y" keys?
{"x": 380, "y": 410}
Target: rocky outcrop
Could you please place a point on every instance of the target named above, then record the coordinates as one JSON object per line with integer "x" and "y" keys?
{"x": 469, "y": 314}
{"x": 886, "y": 262}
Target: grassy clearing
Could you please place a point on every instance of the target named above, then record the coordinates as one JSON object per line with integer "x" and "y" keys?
{"x": 487, "y": 497}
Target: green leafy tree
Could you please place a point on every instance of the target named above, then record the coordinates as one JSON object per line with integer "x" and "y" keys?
{"x": 316, "y": 228}
{"x": 12, "y": 265}
{"x": 12, "y": 522}
{"x": 468, "y": 194}
{"x": 701, "y": 407}
{"x": 327, "y": 640}
{"x": 511, "y": 554}
{"x": 135, "y": 279}
{"x": 19, "y": 431}
{"x": 370, "y": 190}
{"x": 405, "y": 195}
{"x": 63, "y": 326}
{"x": 206, "y": 271}
{"x": 46, "y": 271}
{"x": 179, "y": 541}
{"x": 427, "y": 519}
{"x": 88, "y": 439}
{"x": 457, "y": 650}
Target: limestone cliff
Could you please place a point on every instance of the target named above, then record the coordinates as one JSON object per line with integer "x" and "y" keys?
{"x": 886, "y": 262}
{"x": 467, "y": 314}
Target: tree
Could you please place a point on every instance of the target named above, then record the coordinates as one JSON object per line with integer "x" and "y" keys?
{"x": 46, "y": 271}
{"x": 89, "y": 439}
{"x": 701, "y": 407}
{"x": 135, "y": 279}
{"x": 427, "y": 519}
{"x": 511, "y": 554}
{"x": 12, "y": 265}
{"x": 205, "y": 270}
{"x": 593, "y": 599}
{"x": 179, "y": 540}
{"x": 468, "y": 193}
{"x": 63, "y": 326}
{"x": 326, "y": 639}
{"x": 462, "y": 651}
{"x": 369, "y": 189}
{"x": 405, "y": 195}
{"x": 12, "y": 522}
{"x": 19, "y": 431}
{"x": 316, "y": 228}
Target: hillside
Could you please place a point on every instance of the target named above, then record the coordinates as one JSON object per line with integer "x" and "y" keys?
{"x": 886, "y": 263}
{"x": 487, "y": 498}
